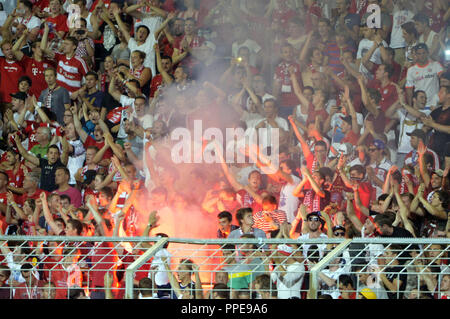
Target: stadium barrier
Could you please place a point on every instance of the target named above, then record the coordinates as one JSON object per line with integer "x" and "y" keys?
{"x": 75, "y": 262}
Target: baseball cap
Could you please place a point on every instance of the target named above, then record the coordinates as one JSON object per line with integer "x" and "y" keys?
{"x": 379, "y": 144}
{"x": 338, "y": 227}
{"x": 19, "y": 95}
{"x": 316, "y": 214}
{"x": 418, "y": 133}
{"x": 438, "y": 172}
{"x": 421, "y": 46}
{"x": 368, "y": 293}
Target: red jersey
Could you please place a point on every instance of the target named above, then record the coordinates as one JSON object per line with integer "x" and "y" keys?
{"x": 35, "y": 70}
{"x": 366, "y": 192}
{"x": 59, "y": 24}
{"x": 10, "y": 72}
{"x": 103, "y": 260}
{"x": 156, "y": 83}
{"x": 25, "y": 291}
{"x": 63, "y": 278}
{"x": 388, "y": 94}
{"x": 3, "y": 200}
{"x": 313, "y": 10}
{"x": 16, "y": 179}
{"x": 278, "y": 217}
{"x": 70, "y": 72}
{"x": 90, "y": 141}
{"x": 313, "y": 114}
{"x": 288, "y": 97}
{"x": 351, "y": 137}
{"x": 22, "y": 198}
{"x": 246, "y": 200}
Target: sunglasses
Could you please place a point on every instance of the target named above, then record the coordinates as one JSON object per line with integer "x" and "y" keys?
{"x": 315, "y": 219}
{"x": 373, "y": 149}
{"x": 339, "y": 233}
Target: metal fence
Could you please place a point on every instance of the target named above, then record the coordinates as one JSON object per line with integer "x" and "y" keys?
{"x": 105, "y": 267}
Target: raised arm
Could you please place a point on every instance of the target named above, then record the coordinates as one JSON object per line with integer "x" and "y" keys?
{"x": 113, "y": 90}
{"x": 18, "y": 45}
{"x": 77, "y": 124}
{"x": 305, "y": 147}
{"x": 48, "y": 216}
{"x": 163, "y": 25}
{"x": 421, "y": 149}
{"x": 351, "y": 212}
{"x": 307, "y": 174}
{"x": 28, "y": 156}
{"x": 296, "y": 86}
{"x": 198, "y": 282}
{"x": 122, "y": 27}
{"x": 100, "y": 221}
{"x": 404, "y": 212}
{"x": 166, "y": 77}
{"x": 365, "y": 97}
{"x": 229, "y": 175}
{"x": 173, "y": 281}
{"x": 355, "y": 126}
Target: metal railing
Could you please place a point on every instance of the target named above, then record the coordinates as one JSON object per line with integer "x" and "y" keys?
{"x": 249, "y": 268}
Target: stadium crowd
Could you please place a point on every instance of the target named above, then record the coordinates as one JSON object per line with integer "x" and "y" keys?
{"x": 92, "y": 92}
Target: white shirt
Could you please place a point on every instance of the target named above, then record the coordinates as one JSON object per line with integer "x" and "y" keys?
{"x": 292, "y": 282}
{"x": 364, "y": 46}
{"x": 430, "y": 39}
{"x": 33, "y": 22}
{"x": 147, "y": 48}
{"x": 161, "y": 277}
{"x": 400, "y": 17}
{"x": 126, "y": 114}
{"x": 28, "y": 116}
{"x": 76, "y": 160}
{"x": 408, "y": 124}
{"x": 151, "y": 22}
{"x": 425, "y": 78}
{"x": 321, "y": 247}
{"x": 381, "y": 173}
{"x": 288, "y": 202}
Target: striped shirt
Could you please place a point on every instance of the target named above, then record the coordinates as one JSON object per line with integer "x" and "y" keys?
{"x": 70, "y": 72}
{"x": 278, "y": 217}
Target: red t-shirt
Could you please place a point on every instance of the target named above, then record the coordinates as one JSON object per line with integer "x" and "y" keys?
{"x": 35, "y": 70}
{"x": 248, "y": 201}
{"x": 288, "y": 97}
{"x": 10, "y": 72}
{"x": 59, "y": 24}
{"x": 70, "y": 72}
{"x": 90, "y": 141}
{"x": 155, "y": 84}
{"x": 62, "y": 278}
{"x": 24, "y": 291}
{"x": 3, "y": 200}
{"x": 366, "y": 193}
{"x": 103, "y": 259}
{"x": 312, "y": 114}
{"x": 22, "y": 198}
{"x": 313, "y": 10}
{"x": 388, "y": 94}
{"x": 16, "y": 179}
{"x": 351, "y": 137}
